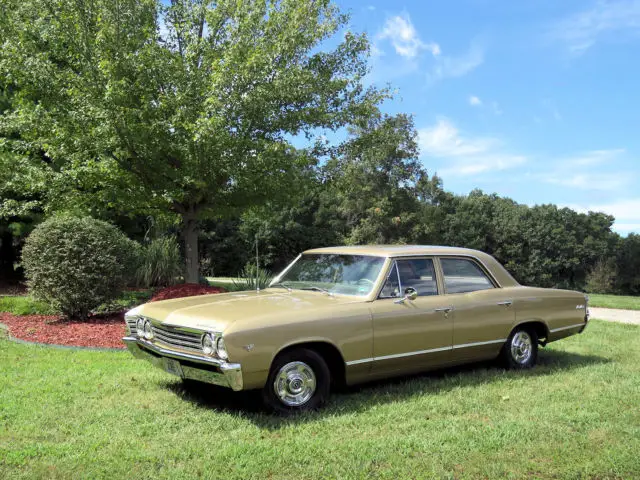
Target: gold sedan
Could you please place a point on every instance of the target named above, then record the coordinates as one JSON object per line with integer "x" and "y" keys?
{"x": 345, "y": 315}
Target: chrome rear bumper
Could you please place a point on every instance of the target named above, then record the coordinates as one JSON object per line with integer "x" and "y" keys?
{"x": 194, "y": 367}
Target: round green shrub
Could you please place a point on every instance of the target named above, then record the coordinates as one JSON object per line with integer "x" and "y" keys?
{"x": 77, "y": 264}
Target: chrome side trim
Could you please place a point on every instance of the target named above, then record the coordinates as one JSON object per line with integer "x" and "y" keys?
{"x": 409, "y": 354}
{"x": 567, "y": 328}
{"x": 422, "y": 352}
{"x": 358, "y": 362}
{"x": 478, "y": 344}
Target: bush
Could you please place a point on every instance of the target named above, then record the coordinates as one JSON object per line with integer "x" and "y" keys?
{"x": 248, "y": 280}
{"x": 601, "y": 278}
{"x": 77, "y": 264}
{"x": 160, "y": 263}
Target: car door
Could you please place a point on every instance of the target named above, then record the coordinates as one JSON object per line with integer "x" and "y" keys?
{"x": 482, "y": 312}
{"x": 409, "y": 335}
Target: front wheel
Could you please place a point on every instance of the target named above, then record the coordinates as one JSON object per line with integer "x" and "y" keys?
{"x": 521, "y": 349}
{"x": 298, "y": 381}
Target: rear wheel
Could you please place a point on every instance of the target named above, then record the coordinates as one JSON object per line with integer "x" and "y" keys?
{"x": 298, "y": 381}
{"x": 521, "y": 349}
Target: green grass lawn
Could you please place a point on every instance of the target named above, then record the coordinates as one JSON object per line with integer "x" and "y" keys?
{"x": 614, "y": 301}
{"x": 24, "y": 305}
{"x": 224, "y": 282}
{"x": 85, "y": 414}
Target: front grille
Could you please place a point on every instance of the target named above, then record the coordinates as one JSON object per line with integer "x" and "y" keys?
{"x": 132, "y": 326}
{"x": 177, "y": 338}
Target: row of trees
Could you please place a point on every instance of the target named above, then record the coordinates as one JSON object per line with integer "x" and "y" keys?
{"x": 181, "y": 117}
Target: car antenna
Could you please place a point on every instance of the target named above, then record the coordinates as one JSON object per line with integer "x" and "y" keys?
{"x": 257, "y": 266}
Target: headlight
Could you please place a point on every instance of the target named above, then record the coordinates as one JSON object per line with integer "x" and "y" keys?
{"x": 222, "y": 349}
{"x": 208, "y": 344}
{"x": 140, "y": 327}
{"x": 148, "y": 333}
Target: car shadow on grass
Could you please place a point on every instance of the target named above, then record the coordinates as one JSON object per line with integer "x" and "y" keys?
{"x": 363, "y": 397}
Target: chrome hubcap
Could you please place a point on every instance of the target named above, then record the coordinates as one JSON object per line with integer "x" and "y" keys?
{"x": 521, "y": 347}
{"x": 295, "y": 384}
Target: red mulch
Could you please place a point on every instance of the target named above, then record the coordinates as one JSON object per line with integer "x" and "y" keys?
{"x": 184, "y": 290}
{"x": 97, "y": 331}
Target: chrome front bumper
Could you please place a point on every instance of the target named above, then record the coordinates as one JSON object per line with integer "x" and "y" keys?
{"x": 194, "y": 367}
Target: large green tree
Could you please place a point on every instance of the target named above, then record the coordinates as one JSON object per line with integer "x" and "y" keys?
{"x": 376, "y": 183}
{"x": 195, "y": 102}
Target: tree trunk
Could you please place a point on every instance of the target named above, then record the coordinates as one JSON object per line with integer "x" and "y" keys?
{"x": 190, "y": 236}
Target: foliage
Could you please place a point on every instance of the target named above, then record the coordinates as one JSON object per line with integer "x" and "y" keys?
{"x": 186, "y": 111}
{"x": 190, "y": 103}
{"x": 601, "y": 278}
{"x": 160, "y": 263}
{"x": 77, "y": 264}
{"x": 556, "y": 421}
{"x": 126, "y": 301}
{"x": 24, "y": 305}
{"x": 628, "y": 265}
{"x": 251, "y": 278}
{"x": 543, "y": 245}
{"x": 374, "y": 182}
{"x": 223, "y": 249}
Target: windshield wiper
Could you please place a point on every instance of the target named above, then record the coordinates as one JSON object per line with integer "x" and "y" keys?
{"x": 281, "y": 285}
{"x": 318, "y": 289}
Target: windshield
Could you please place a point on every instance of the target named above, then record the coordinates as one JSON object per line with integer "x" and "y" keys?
{"x": 332, "y": 273}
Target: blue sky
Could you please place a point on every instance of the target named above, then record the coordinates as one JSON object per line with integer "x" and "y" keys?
{"x": 535, "y": 100}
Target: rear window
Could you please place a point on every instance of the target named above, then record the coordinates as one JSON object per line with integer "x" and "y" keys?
{"x": 463, "y": 275}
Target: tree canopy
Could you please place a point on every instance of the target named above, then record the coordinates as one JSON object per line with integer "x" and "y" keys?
{"x": 194, "y": 102}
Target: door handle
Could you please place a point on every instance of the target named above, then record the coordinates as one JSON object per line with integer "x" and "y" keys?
{"x": 506, "y": 303}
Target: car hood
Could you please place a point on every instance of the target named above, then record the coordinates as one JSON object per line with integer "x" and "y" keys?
{"x": 217, "y": 312}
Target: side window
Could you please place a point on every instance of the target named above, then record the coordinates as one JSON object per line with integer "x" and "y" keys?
{"x": 391, "y": 288}
{"x": 419, "y": 274}
{"x": 462, "y": 276}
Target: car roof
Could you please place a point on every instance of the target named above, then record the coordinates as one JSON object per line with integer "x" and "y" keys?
{"x": 500, "y": 274}
{"x": 396, "y": 250}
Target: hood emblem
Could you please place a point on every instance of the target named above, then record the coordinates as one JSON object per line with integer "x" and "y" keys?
{"x": 249, "y": 347}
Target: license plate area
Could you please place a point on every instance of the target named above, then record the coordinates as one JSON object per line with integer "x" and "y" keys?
{"x": 173, "y": 366}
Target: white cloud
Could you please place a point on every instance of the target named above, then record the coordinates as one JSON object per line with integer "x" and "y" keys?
{"x": 582, "y": 30}
{"x": 457, "y": 66}
{"x": 399, "y": 30}
{"x": 475, "y": 101}
{"x": 626, "y": 228}
{"x": 590, "y": 181}
{"x": 595, "y": 157}
{"x": 444, "y": 140}
{"x": 580, "y": 171}
{"x": 626, "y": 210}
{"x": 466, "y": 155}
{"x": 626, "y": 213}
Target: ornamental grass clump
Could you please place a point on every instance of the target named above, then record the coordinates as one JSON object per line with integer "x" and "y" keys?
{"x": 161, "y": 263}
{"x": 248, "y": 279}
{"x": 77, "y": 264}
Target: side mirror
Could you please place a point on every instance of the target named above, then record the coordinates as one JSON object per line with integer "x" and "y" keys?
{"x": 410, "y": 293}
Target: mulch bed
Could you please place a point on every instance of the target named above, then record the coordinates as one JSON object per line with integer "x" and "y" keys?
{"x": 103, "y": 331}
{"x": 184, "y": 290}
